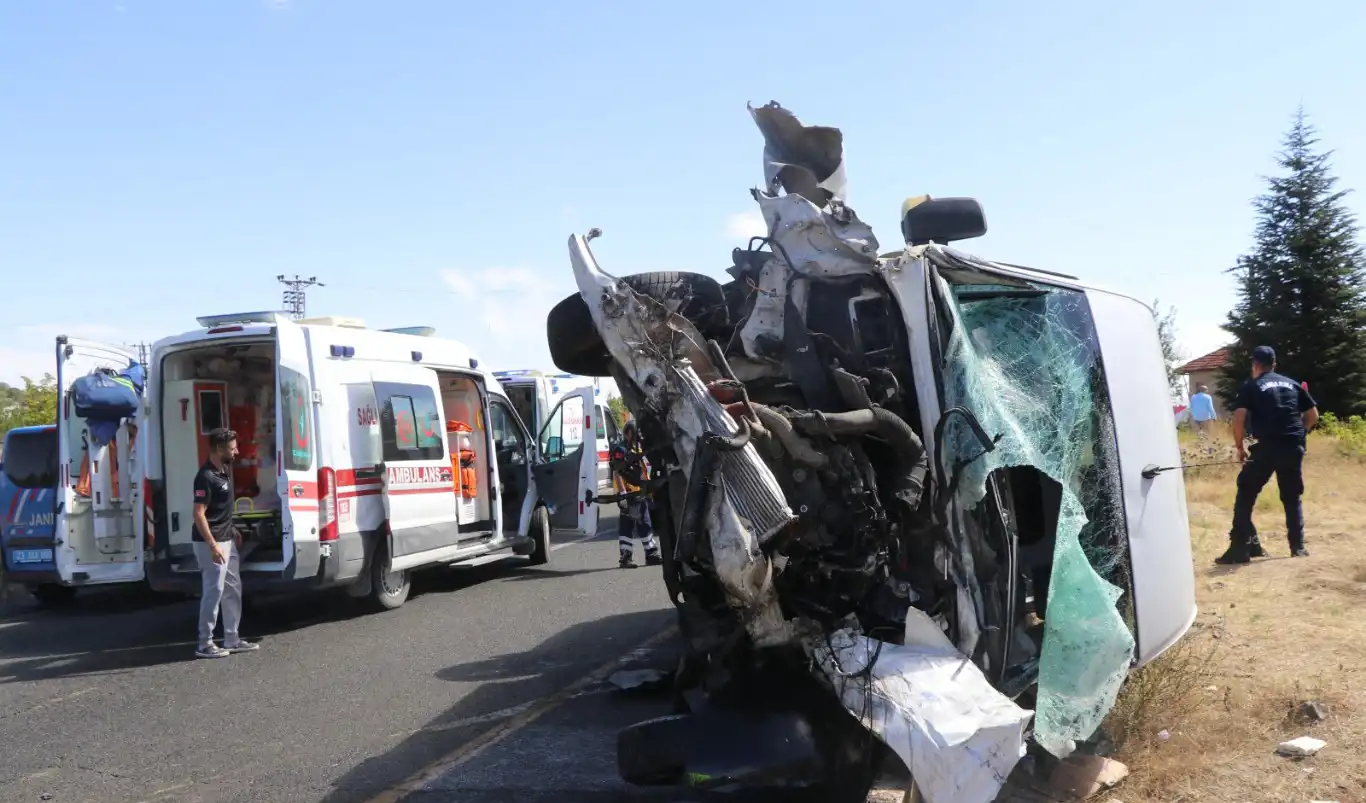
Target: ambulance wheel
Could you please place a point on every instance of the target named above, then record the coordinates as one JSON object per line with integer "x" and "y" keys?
{"x": 540, "y": 535}
{"x": 389, "y": 589}
{"x": 51, "y": 595}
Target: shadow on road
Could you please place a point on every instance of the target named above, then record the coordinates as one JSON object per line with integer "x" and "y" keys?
{"x": 118, "y": 630}
{"x": 508, "y": 684}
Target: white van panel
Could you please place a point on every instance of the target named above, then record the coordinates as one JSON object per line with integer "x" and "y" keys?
{"x": 1159, "y": 528}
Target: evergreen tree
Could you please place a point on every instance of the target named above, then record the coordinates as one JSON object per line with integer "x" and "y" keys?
{"x": 1300, "y": 290}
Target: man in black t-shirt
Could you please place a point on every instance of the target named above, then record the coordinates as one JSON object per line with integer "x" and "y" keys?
{"x": 1278, "y": 412}
{"x": 216, "y": 548}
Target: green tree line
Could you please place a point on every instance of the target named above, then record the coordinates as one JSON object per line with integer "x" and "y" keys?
{"x": 33, "y": 404}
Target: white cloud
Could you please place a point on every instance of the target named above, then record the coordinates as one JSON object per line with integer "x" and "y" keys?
{"x": 744, "y": 225}
{"x": 508, "y": 307}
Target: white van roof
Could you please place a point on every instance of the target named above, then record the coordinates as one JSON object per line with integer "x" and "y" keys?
{"x": 334, "y": 333}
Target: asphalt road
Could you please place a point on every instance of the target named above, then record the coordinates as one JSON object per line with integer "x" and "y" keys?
{"x": 105, "y": 702}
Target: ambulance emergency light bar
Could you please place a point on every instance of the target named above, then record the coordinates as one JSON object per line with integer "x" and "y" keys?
{"x": 211, "y": 321}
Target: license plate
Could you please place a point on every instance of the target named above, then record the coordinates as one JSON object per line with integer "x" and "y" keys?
{"x": 21, "y": 556}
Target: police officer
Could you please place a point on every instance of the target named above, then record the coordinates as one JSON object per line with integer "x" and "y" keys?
{"x": 629, "y": 472}
{"x": 1277, "y": 412}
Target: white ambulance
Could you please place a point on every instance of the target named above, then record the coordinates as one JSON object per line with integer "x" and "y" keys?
{"x": 364, "y": 455}
{"x": 535, "y": 393}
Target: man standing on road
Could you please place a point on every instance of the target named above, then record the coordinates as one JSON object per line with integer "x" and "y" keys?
{"x": 1278, "y": 412}
{"x": 1202, "y": 412}
{"x": 217, "y": 546}
{"x": 629, "y": 472}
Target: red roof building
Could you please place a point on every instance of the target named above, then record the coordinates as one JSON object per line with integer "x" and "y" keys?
{"x": 1205, "y": 371}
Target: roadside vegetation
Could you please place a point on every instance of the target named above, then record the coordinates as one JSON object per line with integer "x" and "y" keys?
{"x": 1202, "y": 723}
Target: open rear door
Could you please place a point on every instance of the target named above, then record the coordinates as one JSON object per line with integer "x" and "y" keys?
{"x": 566, "y": 470}
{"x": 98, "y": 486}
{"x": 295, "y": 431}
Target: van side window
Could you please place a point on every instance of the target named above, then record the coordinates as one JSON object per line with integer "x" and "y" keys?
{"x": 409, "y": 423}
{"x": 564, "y": 431}
{"x": 507, "y": 436}
{"x": 31, "y": 459}
{"x": 295, "y": 401}
{"x": 602, "y": 422}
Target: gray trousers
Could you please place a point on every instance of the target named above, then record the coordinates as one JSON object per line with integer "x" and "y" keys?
{"x": 222, "y": 585}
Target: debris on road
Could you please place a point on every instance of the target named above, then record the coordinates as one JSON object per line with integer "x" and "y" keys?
{"x": 1302, "y": 747}
{"x": 640, "y": 679}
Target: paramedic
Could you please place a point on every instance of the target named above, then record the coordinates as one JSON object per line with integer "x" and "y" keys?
{"x": 217, "y": 549}
{"x": 1277, "y": 412}
{"x": 1202, "y": 411}
{"x": 628, "y": 474}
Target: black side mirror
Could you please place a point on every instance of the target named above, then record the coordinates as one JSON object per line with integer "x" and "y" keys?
{"x": 941, "y": 220}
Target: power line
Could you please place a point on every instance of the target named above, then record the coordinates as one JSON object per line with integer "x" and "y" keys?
{"x": 294, "y": 299}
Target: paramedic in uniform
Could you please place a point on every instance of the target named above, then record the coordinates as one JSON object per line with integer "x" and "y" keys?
{"x": 217, "y": 547}
{"x": 1278, "y": 412}
{"x": 628, "y": 474}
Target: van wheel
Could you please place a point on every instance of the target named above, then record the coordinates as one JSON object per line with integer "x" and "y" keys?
{"x": 54, "y": 596}
{"x": 540, "y": 535}
{"x": 389, "y": 589}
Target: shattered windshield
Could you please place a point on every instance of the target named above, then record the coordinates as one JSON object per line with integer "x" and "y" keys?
{"x": 1027, "y": 364}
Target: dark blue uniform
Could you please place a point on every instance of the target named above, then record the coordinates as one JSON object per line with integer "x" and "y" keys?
{"x": 1275, "y": 405}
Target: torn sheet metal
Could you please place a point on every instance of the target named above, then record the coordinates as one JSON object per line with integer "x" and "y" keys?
{"x": 1028, "y": 371}
{"x": 959, "y": 737}
{"x": 665, "y": 356}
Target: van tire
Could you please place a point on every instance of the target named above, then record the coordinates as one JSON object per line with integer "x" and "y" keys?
{"x": 577, "y": 348}
{"x": 51, "y": 595}
{"x": 388, "y": 590}
{"x": 540, "y": 536}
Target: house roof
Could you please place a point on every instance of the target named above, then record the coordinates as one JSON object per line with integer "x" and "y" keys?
{"x": 1214, "y": 360}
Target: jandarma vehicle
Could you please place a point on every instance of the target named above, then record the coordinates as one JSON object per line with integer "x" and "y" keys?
{"x": 907, "y": 495}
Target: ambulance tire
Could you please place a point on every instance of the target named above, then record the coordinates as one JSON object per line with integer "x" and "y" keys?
{"x": 51, "y": 595}
{"x": 577, "y": 348}
{"x": 540, "y": 535}
{"x": 388, "y": 590}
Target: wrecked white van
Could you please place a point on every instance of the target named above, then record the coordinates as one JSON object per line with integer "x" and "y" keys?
{"x": 922, "y": 482}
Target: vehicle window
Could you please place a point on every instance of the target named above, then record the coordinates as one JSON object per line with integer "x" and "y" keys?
{"x": 31, "y": 458}
{"x": 428, "y": 419}
{"x": 507, "y": 435}
{"x": 552, "y": 435}
{"x": 210, "y": 411}
{"x": 573, "y": 423}
{"x": 295, "y": 401}
{"x": 409, "y": 423}
{"x": 601, "y": 423}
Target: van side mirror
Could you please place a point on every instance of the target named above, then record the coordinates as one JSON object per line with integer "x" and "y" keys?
{"x": 941, "y": 220}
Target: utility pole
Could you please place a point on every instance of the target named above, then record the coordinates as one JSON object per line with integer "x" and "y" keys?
{"x": 295, "y": 303}
{"x": 143, "y": 350}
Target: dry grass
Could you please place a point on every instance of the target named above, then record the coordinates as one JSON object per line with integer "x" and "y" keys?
{"x": 1269, "y": 637}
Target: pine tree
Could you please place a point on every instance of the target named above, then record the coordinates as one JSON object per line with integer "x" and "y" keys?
{"x": 1300, "y": 290}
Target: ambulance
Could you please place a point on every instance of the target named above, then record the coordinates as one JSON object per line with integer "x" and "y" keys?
{"x": 364, "y": 455}
{"x": 535, "y": 394}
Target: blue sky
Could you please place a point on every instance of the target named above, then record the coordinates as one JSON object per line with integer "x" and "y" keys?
{"x": 428, "y": 160}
